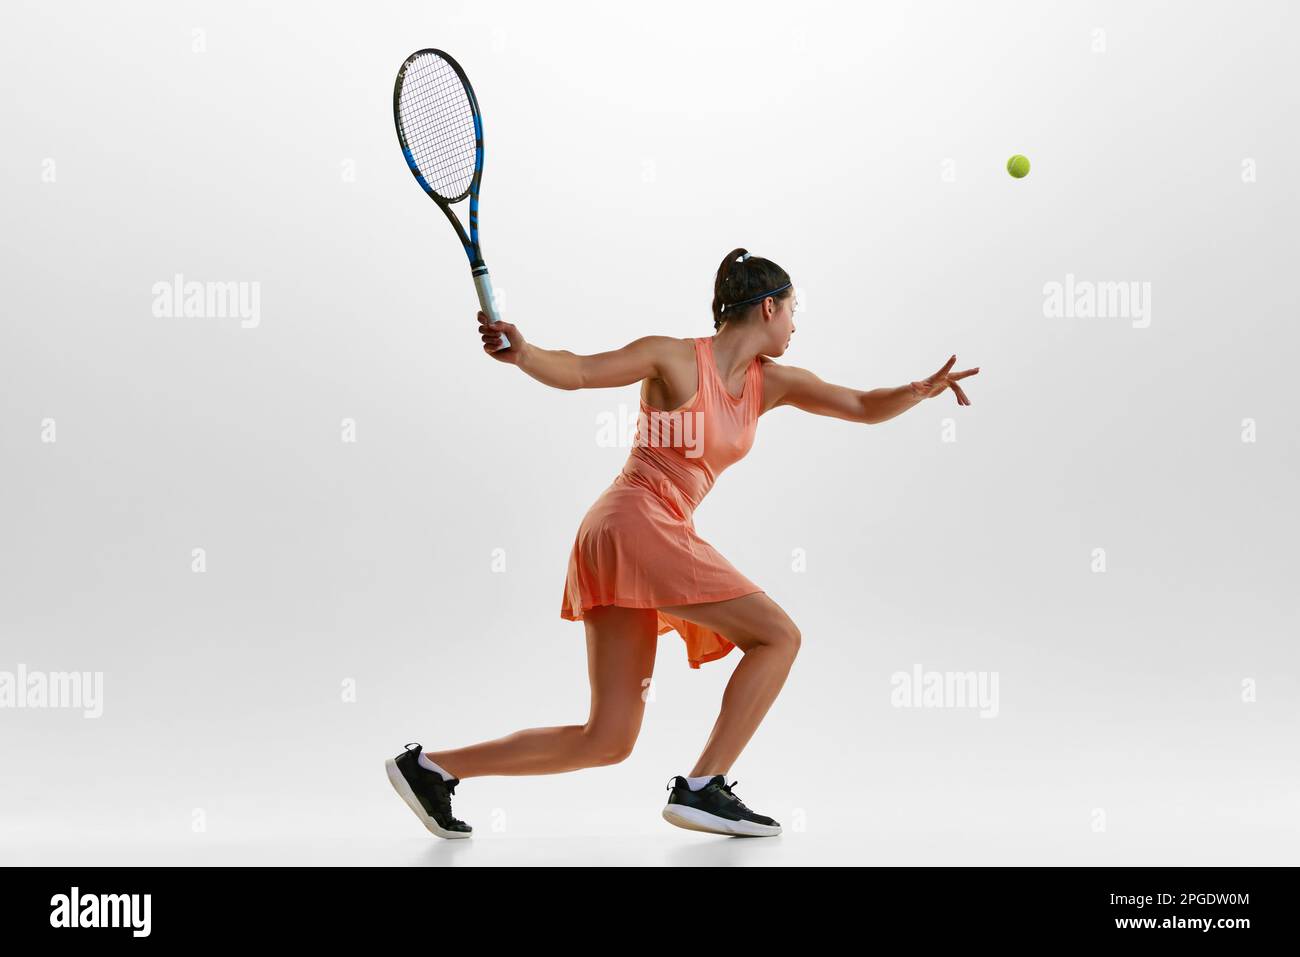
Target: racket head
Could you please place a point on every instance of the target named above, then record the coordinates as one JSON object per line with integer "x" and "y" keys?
{"x": 439, "y": 125}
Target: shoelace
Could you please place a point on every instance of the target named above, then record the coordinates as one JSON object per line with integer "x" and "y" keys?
{"x": 723, "y": 786}
{"x": 727, "y": 787}
{"x": 443, "y": 801}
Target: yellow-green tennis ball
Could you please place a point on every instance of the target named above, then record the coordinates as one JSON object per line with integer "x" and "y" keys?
{"x": 1018, "y": 166}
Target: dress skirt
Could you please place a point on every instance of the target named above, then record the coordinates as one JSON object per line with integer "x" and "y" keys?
{"x": 637, "y": 548}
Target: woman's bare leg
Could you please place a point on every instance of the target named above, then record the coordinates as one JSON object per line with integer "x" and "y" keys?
{"x": 770, "y": 640}
{"x": 621, "y": 644}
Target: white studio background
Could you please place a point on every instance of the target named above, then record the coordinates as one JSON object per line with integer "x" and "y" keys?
{"x": 1147, "y": 713}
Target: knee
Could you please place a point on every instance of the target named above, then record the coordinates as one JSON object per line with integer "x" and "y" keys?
{"x": 784, "y": 636}
{"x": 791, "y": 638}
{"x": 614, "y": 754}
{"x": 609, "y": 748}
{"x": 619, "y": 754}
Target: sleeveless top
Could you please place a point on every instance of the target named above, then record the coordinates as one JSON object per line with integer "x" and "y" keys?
{"x": 679, "y": 454}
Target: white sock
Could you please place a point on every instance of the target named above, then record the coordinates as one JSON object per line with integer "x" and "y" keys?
{"x": 696, "y": 783}
{"x": 426, "y": 763}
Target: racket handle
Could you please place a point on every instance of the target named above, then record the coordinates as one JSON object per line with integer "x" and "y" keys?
{"x": 486, "y": 301}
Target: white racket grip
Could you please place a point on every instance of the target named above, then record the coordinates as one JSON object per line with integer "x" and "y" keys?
{"x": 487, "y": 302}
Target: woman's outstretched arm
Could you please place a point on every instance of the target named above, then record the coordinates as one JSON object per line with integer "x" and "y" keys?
{"x": 804, "y": 390}
{"x": 561, "y": 369}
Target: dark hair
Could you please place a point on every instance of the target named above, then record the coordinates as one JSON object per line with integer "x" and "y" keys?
{"x": 742, "y": 284}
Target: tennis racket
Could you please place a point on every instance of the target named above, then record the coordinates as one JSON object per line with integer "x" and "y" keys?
{"x": 441, "y": 132}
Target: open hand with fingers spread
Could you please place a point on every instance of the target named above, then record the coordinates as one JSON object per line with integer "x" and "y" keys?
{"x": 943, "y": 379}
{"x": 491, "y": 333}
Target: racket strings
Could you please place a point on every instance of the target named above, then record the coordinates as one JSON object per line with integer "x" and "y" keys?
{"x": 437, "y": 117}
{"x": 438, "y": 124}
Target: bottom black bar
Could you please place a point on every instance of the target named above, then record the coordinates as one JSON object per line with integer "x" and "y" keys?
{"x": 1155, "y": 905}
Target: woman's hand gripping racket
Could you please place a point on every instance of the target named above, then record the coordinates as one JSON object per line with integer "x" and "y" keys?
{"x": 441, "y": 132}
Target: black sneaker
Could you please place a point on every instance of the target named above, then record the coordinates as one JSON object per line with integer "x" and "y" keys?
{"x": 715, "y": 809}
{"x": 426, "y": 793}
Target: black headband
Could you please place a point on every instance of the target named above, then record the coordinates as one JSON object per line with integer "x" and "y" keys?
{"x": 744, "y": 302}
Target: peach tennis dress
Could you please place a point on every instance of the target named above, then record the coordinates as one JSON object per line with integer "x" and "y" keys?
{"x": 637, "y": 546}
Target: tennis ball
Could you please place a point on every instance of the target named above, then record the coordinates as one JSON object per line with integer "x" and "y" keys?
{"x": 1018, "y": 166}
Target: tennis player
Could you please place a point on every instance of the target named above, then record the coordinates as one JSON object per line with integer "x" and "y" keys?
{"x": 639, "y": 569}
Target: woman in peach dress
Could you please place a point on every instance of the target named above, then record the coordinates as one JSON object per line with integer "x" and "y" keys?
{"x": 639, "y": 569}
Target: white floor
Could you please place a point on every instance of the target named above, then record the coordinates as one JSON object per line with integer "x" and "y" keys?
{"x": 393, "y": 837}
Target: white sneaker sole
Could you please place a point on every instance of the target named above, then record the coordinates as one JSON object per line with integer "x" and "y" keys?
{"x": 398, "y": 781}
{"x": 693, "y": 819}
